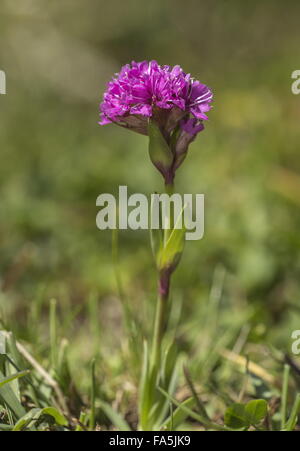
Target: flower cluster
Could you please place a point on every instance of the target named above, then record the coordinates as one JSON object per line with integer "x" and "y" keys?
{"x": 147, "y": 91}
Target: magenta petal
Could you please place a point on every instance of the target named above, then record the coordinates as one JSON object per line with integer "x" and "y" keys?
{"x": 191, "y": 126}
{"x": 198, "y": 114}
{"x": 144, "y": 110}
{"x": 104, "y": 120}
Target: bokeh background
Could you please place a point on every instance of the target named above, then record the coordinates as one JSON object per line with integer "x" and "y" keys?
{"x": 55, "y": 160}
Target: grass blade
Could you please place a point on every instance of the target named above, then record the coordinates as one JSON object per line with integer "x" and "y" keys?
{"x": 199, "y": 403}
{"x": 284, "y": 394}
{"x": 13, "y": 377}
{"x": 292, "y": 421}
{"x": 179, "y": 415}
{"x": 8, "y": 397}
{"x": 192, "y": 414}
{"x": 116, "y": 419}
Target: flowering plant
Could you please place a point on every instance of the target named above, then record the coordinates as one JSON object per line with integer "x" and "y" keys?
{"x": 170, "y": 107}
{"x": 152, "y": 99}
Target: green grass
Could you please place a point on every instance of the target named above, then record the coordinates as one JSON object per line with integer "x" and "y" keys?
{"x": 78, "y": 303}
{"x": 40, "y": 392}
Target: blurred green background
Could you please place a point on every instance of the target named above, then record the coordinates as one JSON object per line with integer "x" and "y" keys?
{"x": 56, "y": 160}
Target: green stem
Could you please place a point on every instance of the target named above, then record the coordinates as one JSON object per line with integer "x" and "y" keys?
{"x": 169, "y": 189}
{"x": 159, "y": 324}
{"x": 162, "y": 300}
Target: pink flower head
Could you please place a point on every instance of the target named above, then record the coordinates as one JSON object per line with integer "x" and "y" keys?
{"x": 142, "y": 90}
{"x": 171, "y": 98}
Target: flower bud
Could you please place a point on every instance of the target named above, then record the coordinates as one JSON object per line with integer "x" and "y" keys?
{"x": 160, "y": 153}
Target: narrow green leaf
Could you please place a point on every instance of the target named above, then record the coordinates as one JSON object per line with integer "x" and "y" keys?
{"x": 116, "y": 419}
{"x": 192, "y": 414}
{"x": 5, "y": 427}
{"x": 199, "y": 403}
{"x": 284, "y": 394}
{"x": 27, "y": 419}
{"x": 15, "y": 354}
{"x": 34, "y": 415}
{"x": 55, "y": 414}
{"x": 171, "y": 253}
{"x": 179, "y": 415}
{"x": 83, "y": 420}
{"x": 292, "y": 421}
{"x": 8, "y": 397}
{"x": 169, "y": 381}
{"x": 169, "y": 363}
{"x": 13, "y": 377}
{"x": 143, "y": 389}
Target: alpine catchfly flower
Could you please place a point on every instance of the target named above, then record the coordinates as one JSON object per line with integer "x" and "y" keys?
{"x": 169, "y": 106}
{"x": 158, "y": 100}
